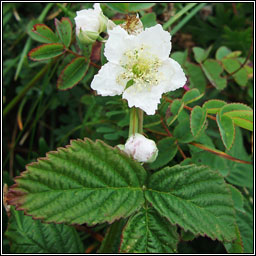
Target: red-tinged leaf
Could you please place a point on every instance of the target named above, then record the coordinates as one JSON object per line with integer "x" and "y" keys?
{"x": 73, "y": 73}
{"x": 46, "y": 51}
{"x": 86, "y": 182}
{"x": 64, "y": 30}
{"x": 44, "y": 34}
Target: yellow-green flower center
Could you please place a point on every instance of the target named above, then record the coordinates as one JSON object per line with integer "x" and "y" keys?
{"x": 141, "y": 67}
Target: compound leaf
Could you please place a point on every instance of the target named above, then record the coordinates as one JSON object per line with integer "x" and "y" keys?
{"x": 86, "y": 182}
{"x": 195, "y": 198}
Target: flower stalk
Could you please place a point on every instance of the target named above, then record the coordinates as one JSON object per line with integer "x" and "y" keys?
{"x": 134, "y": 121}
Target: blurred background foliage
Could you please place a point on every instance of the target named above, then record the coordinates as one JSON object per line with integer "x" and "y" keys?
{"x": 37, "y": 117}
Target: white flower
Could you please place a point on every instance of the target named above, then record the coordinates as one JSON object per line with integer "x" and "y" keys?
{"x": 141, "y": 148}
{"x": 139, "y": 67}
{"x": 90, "y": 23}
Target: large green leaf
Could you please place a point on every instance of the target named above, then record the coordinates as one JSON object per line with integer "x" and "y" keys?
{"x": 73, "y": 73}
{"x": 46, "y": 51}
{"x": 32, "y": 236}
{"x": 86, "y": 182}
{"x": 148, "y": 232}
{"x": 194, "y": 197}
{"x": 245, "y": 224}
{"x": 64, "y": 30}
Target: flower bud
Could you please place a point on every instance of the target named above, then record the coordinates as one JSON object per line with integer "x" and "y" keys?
{"x": 90, "y": 23}
{"x": 142, "y": 149}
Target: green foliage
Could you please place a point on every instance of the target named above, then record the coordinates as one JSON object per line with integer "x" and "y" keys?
{"x": 73, "y": 73}
{"x": 86, "y": 183}
{"x": 46, "y": 51}
{"x": 32, "y": 236}
{"x": 44, "y": 34}
{"x": 196, "y": 197}
{"x": 64, "y": 30}
{"x": 147, "y": 232}
{"x": 197, "y": 120}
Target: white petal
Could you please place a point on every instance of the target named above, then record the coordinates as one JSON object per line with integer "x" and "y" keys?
{"x": 146, "y": 99}
{"x": 158, "y": 40}
{"x": 96, "y": 7}
{"x": 105, "y": 81}
{"x": 118, "y": 42}
{"x": 173, "y": 75}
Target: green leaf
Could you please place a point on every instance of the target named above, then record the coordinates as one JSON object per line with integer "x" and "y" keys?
{"x": 195, "y": 198}
{"x": 180, "y": 57}
{"x": 183, "y": 132}
{"x": 213, "y": 106}
{"x": 149, "y": 20}
{"x": 86, "y": 182}
{"x": 191, "y": 96}
{"x": 64, "y": 30}
{"x": 213, "y": 70}
{"x": 148, "y": 232}
{"x": 239, "y": 174}
{"x": 32, "y": 236}
{"x": 222, "y": 52}
{"x": 235, "y": 246}
{"x": 119, "y": 7}
{"x": 46, "y": 51}
{"x": 227, "y": 130}
{"x": 134, "y": 7}
{"x": 196, "y": 76}
{"x": 245, "y": 224}
{"x": 197, "y": 120}
{"x": 241, "y": 114}
{"x": 167, "y": 150}
{"x": 73, "y": 73}
{"x": 129, "y": 7}
{"x": 231, "y": 65}
{"x": 237, "y": 198}
{"x": 44, "y": 34}
{"x": 112, "y": 238}
{"x": 199, "y": 54}
{"x": 175, "y": 109}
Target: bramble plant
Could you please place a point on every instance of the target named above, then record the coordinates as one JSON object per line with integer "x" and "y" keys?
{"x": 136, "y": 182}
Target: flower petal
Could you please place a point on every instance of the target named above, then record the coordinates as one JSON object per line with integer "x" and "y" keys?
{"x": 174, "y": 76}
{"x": 105, "y": 81}
{"x": 146, "y": 98}
{"x": 158, "y": 40}
{"x": 118, "y": 42}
